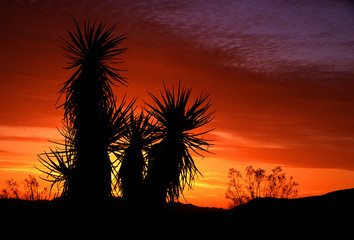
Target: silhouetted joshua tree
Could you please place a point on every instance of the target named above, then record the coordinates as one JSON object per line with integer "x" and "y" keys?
{"x": 95, "y": 127}
{"x": 171, "y": 167}
{"x": 92, "y": 121}
{"x": 138, "y": 137}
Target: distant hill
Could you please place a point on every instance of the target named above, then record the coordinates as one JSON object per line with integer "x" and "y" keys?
{"x": 331, "y": 213}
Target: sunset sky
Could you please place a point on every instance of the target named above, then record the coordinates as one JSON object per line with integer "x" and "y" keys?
{"x": 280, "y": 75}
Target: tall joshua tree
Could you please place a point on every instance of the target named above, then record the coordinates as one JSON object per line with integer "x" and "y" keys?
{"x": 89, "y": 100}
{"x": 171, "y": 165}
{"x": 89, "y": 106}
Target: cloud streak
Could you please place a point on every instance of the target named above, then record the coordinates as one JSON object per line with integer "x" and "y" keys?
{"x": 238, "y": 141}
{"x": 28, "y": 134}
{"x": 271, "y": 37}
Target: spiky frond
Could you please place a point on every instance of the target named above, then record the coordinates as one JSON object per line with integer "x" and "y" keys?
{"x": 92, "y": 50}
{"x": 95, "y": 44}
{"x": 171, "y": 161}
{"x": 116, "y": 123}
{"x": 177, "y": 119}
{"x": 140, "y": 133}
{"x": 59, "y": 163}
{"x": 58, "y": 166}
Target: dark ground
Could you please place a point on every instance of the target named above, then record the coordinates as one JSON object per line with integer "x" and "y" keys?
{"x": 326, "y": 215}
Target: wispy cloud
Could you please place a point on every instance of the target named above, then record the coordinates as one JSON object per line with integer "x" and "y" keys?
{"x": 227, "y": 139}
{"x": 209, "y": 185}
{"x": 271, "y": 36}
{"x": 22, "y": 139}
{"x": 20, "y": 146}
{"x": 28, "y": 134}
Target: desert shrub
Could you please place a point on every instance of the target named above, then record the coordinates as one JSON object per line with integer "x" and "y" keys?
{"x": 257, "y": 184}
{"x": 11, "y": 191}
{"x": 30, "y": 187}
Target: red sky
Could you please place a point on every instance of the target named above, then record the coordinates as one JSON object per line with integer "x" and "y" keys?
{"x": 281, "y": 82}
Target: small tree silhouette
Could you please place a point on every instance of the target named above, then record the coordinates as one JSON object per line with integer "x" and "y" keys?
{"x": 171, "y": 167}
{"x": 91, "y": 120}
{"x": 31, "y": 190}
{"x": 31, "y": 187}
{"x": 11, "y": 191}
{"x": 257, "y": 184}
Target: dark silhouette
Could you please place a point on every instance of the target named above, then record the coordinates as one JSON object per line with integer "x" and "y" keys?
{"x": 154, "y": 159}
{"x": 138, "y": 137}
{"x": 31, "y": 191}
{"x": 91, "y": 119}
{"x": 322, "y": 215}
{"x": 257, "y": 184}
{"x": 171, "y": 167}
{"x": 11, "y": 191}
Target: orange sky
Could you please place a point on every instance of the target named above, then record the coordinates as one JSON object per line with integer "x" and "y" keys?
{"x": 298, "y": 116}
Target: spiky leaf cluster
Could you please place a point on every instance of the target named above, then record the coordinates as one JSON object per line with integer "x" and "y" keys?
{"x": 178, "y": 121}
